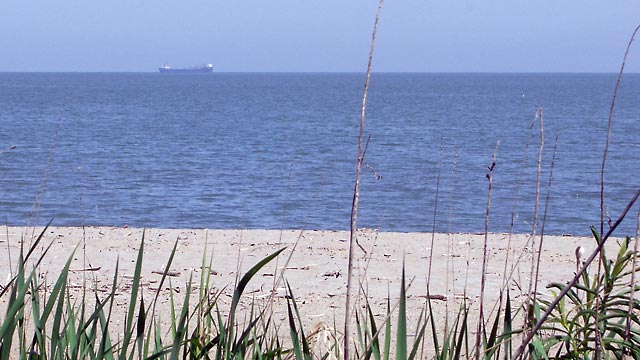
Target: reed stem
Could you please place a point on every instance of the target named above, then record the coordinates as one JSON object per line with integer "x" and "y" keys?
{"x": 356, "y": 190}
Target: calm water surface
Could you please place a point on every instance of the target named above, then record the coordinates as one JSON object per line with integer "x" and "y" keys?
{"x": 279, "y": 150}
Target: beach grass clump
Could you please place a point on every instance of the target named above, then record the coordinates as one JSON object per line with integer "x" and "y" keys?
{"x": 46, "y": 322}
{"x": 599, "y": 314}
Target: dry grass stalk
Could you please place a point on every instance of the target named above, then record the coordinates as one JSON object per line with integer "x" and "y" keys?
{"x": 604, "y": 161}
{"x": 544, "y": 219}
{"x": 610, "y": 125}
{"x": 536, "y": 210}
{"x": 450, "y": 263}
{"x": 356, "y": 191}
{"x": 485, "y": 255}
{"x": 514, "y": 212}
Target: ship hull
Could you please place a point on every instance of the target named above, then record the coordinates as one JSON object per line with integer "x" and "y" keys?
{"x": 193, "y": 70}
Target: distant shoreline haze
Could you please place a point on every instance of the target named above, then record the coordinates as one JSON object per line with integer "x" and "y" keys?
{"x": 325, "y": 72}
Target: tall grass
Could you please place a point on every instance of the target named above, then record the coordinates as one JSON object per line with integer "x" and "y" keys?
{"x": 353, "y": 223}
{"x": 44, "y": 324}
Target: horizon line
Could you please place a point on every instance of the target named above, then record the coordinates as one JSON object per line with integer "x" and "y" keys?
{"x": 316, "y": 72}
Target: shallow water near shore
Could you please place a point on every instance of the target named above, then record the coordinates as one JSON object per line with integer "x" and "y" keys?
{"x": 278, "y": 150}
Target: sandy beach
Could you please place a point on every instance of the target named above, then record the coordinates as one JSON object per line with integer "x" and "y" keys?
{"x": 314, "y": 264}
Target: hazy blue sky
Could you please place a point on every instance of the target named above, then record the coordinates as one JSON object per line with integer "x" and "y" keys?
{"x": 313, "y": 35}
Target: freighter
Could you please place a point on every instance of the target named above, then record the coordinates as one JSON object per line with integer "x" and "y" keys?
{"x": 202, "y": 69}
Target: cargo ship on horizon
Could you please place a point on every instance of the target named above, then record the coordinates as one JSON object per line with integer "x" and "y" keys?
{"x": 202, "y": 69}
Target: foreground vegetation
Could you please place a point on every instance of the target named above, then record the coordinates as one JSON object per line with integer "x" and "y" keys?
{"x": 595, "y": 317}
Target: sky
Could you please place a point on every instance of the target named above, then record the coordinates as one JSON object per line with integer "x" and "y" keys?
{"x": 319, "y": 36}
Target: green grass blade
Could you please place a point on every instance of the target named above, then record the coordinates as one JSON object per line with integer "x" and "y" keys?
{"x": 135, "y": 287}
{"x": 305, "y": 344}
{"x": 182, "y": 325}
{"x": 295, "y": 340}
{"x": 401, "y": 338}
{"x": 172, "y": 309}
{"x": 57, "y": 320}
{"x": 375, "y": 342}
{"x": 418, "y": 341}
{"x": 19, "y": 287}
{"x": 71, "y": 335}
{"x": 493, "y": 336}
{"x": 15, "y": 304}
{"x": 245, "y": 337}
{"x": 37, "y": 342}
{"x": 387, "y": 330}
{"x": 242, "y": 284}
{"x": 463, "y": 335}
{"x": 59, "y": 286}
{"x": 105, "y": 348}
{"x": 507, "y": 328}
{"x": 432, "y": 320}
{"x": 223, "y": 336}
{"x": 140, "y": 327}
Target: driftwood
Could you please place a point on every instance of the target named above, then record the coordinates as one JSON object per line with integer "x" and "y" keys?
{"x": 86, "y": 269}
{"x": 168, "y": 272}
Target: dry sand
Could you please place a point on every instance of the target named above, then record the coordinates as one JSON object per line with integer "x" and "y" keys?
{"x": 316, "y": 271}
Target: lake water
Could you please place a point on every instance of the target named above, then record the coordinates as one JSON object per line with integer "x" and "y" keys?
{"x": 279, "y": 150}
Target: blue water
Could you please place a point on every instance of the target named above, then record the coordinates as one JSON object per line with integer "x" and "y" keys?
{"x": 279, "y": 150}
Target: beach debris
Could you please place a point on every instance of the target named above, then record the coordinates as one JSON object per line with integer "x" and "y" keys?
{"x": 434, "y": 297}
{"x": 579, "y": 255}
{"x": 452, "y": 255}
{"x": 305, "y": 267}
{"x": 334, "y": 273}
{"x": 322, "y": 341}
{"x": 96, "y": 268}
{"x": 168, "y": 272}
{"x": 168, "y": 288}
